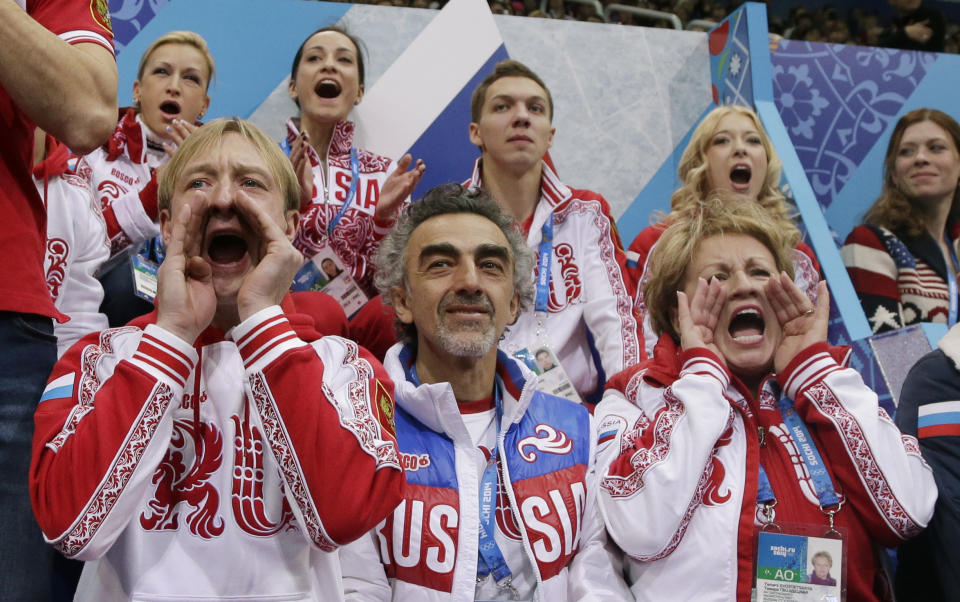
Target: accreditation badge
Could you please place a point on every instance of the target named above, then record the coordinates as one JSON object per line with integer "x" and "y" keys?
{"x": 552, "y": 378}
{"x": 145, "y": 264}
{"x": 144, "y": 277}
{"x": 325, "y": 272}
{"x": 800, "y": 568}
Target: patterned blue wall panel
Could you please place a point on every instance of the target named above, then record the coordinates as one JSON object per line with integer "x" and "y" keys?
{"x": 730, "y": 67}
{"x": 807, "y": 88}
{"x": 130, "y": 16}
{"x": 837, "y": 101}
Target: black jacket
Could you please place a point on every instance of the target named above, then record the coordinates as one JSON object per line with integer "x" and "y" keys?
{"x": 929, "y": 566}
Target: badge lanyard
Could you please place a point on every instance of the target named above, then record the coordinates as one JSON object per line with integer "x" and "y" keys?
{"x": 810, "y": 455}
{"x": 542, "y": 301}
{"x": 490, "y": 559}
{"x": 543, "y": 266}
{"x": 354, "y": 177}
{"x": 351, "y": 195}
{"x": 952, "y": 284}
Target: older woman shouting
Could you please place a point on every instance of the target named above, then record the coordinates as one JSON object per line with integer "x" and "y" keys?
{"x": 745, "y": 425}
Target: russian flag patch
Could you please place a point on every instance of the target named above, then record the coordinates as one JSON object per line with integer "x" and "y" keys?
{"x": 60, "y": 388}
{"x": 938, "y": 419}
{"x": 606, "y": 436}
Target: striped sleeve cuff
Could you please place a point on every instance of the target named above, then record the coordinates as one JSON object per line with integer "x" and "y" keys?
{"x": 263, "y": 337}
{"x": 810, "y": 366}
{"x": 80, "y": 36}
{"x": 382, "y": 228}
{"x": 700, "y": 360}
{"x": 165, "y": 355}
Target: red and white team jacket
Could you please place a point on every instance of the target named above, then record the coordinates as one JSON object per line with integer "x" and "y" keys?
{"x": 121, "y": 176}
{"x": 806, "y": 275}
{"x": 76, "y": 246}
{"x": 590, "y": 322}
{"x": 548, "y": 524}
{"x": 225, "y": 470}
{"x": 679, "y": 449}
{"x": 357, "y": 235}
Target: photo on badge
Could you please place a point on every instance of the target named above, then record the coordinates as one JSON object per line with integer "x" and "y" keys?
{"x": 553, "y": 378}
{"x": 325, "y": 272}
{"x": 799, "y": 568}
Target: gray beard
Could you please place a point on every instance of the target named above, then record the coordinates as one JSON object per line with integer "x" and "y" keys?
{"x": 470, "y": 343}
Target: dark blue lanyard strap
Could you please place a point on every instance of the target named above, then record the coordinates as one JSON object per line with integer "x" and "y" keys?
{"x": 765, "y": 493}
{"x": 809, "y": 454}
{"x": 354, "y": 179}
{"x": 491, "y": 558}
{"x": 543, "y": 266}
{"x": 153, "y": 250}
{"x": 811, "y": 458}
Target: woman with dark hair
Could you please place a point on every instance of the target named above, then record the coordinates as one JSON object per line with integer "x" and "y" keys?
{"x": 746, "y": 417}
{"x": 349, "y": 196}
{"x": 903, "y": 258}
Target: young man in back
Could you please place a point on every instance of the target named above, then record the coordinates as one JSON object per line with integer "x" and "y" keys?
{"x": 583, "y": 308}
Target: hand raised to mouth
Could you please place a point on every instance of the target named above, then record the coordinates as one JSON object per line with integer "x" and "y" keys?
{"x": 270, "y": 280}
{"x": 697, "y": 317}
{"x": 803, "y": 324}
{"x": 186, "y": 299}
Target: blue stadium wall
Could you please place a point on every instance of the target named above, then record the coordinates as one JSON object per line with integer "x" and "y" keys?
{"x": 626, "y": 100}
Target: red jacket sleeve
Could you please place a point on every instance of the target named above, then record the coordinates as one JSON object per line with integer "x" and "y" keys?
{"x": 327, "y": 412}
{"x": 879, "y": 471}
{"x": 76, "y": 21}
{"x": 101, "y": 428}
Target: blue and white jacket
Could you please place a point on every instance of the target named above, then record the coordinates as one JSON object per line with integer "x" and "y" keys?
{"x": 548, "y": 524}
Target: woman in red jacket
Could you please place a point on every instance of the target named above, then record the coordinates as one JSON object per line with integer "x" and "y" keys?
{"x": 745, "y": 418}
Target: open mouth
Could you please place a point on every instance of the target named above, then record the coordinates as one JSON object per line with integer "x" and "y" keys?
{"x": 747, "y": 326}
{"x": 740, "y": 175}
{"x": 170, "y": 107}
{"x": 226, "y": 248}
{"x": 327, "y": 89}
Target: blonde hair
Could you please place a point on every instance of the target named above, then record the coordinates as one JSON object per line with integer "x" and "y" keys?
{"x": 722, "y": 213}
{"x": 210, "y": 135}
{"x": 188, "y": 38}
{"x": 893, "y": 209}
{"x": 694, "y": 167}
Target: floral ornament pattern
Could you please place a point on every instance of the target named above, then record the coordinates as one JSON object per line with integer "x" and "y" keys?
{"x": 799, "y": 103}
{"x": 836, "y": 101}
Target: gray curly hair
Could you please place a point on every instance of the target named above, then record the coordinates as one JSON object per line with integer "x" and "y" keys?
{"x": 443, "y": 200}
